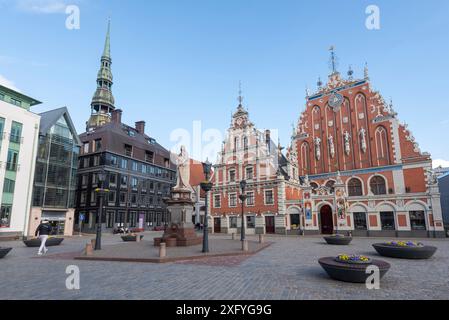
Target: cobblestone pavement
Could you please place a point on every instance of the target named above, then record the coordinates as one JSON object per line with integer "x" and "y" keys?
{"x": 288, "y": 269}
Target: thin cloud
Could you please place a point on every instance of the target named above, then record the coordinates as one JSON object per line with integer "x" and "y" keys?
{"x": 42, "y": 6}
{"x": 8, "y": 83}
{"x": 440, "y": 163}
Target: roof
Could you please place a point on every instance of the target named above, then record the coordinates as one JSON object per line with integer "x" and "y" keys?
{"x": 19, "y": 95}
{"x": 49, "y": 118}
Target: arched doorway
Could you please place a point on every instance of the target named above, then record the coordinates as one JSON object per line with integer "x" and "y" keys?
{"x": 326, "y": 221}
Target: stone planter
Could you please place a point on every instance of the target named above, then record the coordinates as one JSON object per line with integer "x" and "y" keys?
{"x": 171, "y": 242}
{"x": 351, "y": 272}
{"x": 131, "y": 238}
{"x": 392, "y": 251}
{"x": 36, "y": 243}
{"x": 4, "y": 252}
{"x": 338, "y": 240}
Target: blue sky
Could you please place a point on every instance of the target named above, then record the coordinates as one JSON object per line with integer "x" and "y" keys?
{"x": 176, "y": 62}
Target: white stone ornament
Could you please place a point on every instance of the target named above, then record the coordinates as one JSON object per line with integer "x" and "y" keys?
{"x": 331, "y": 147}
{"x": 363, "y": 140}
{"x": 347, "y": 138}
{"x": 318, "y": 148}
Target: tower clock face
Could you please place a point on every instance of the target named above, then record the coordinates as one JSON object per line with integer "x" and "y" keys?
{"x": 336, "y": 100}
{"x": 239, "y": 121}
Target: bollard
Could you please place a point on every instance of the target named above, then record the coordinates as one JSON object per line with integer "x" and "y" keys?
{"x": 162, "y": 250}
{"x": 261, "y": 238}
{"x": 138, "y": 238}
{"x": 89, "y": 249}
{"x": 245, "y": 245}
{"x": 93, "y": 241}
{"x": 233, "y": 236}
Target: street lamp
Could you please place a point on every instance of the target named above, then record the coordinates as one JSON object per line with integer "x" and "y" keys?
{"x": 243, "y": 197}
{"x": 206, "y": 186}
{"x": 101, "y": 191}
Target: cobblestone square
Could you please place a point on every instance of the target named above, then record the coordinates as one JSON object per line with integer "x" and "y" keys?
{"x": 288, "y": 269}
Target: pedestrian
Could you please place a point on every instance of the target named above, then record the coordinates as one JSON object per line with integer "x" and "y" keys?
{"x": 43, "y": 231}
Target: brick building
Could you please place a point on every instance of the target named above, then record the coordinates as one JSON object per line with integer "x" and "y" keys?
{"x": 362, "y": 169}
{"x": 273, "y": 190}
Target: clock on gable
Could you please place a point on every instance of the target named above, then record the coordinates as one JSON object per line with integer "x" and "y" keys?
{"x": 335, "y": 101}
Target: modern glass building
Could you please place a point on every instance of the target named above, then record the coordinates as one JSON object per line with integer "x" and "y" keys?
{"x": 19, "y": 131}
{"x": 56, "y": 170}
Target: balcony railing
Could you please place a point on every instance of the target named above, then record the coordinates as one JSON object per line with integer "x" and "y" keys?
{"x": 15, "y": 138}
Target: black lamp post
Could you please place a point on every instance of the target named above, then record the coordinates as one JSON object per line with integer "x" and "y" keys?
{"x": 206, "y": 186}
{"x": 101, "y": 192}
{"x": 243, "y": 197}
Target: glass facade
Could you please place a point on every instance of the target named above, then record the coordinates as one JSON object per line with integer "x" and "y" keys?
{"x": 56, "y": 168}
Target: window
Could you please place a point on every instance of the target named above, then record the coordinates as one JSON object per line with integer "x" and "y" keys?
{"x": 16, "y": 102}
{"x": 134, "y": 183}
{"x": 97, "y": 145}
{"x": 149, "y": 156}
{"x": 93, "y": 197}
{"x": 124, "y": 181}
{"x": 250, "y": 198}
{"x": 134, "y": 198}
{"x": 360, "y": 221}
{"x": 86, "y": 147}
{"x": 123, "y": 197}
{"x": 417, "y": 220}
{"x": 378, "y": 186}
{"x": 217, "y": 201}
{"x": 128, "y": 150}
{"x": 387, "y": 220}
{"x": 84, "y": 180}
{"x": 167, "y": 163}
{"x": 245, "y": 142}
{"x": 111, "y": 197}
{"x": 314, "y": 186}
{"x": 13, "y": 157}
{"x": 8, "y": 186}
{"x": 96, "y": 161}
{"x": 232, "y": 175}
{"x": 95, "y": 179}
{"x": 86, "y": 162}
{"x": 135, "y": 166}
{"x": 269, "y": 199}
{"x": 355, "y": 188}
{"x": 2, "y": 96}
{"x": 232, "y": 222}
{"x": 5, "y": 215}
{"x": 16, "y": 132}
{"x": 113, "y": 161}
{"x": 331, "y": 186}
{"x": 124, "y": 164}
{"x": 112, "y": 180}
{"x": 233, "y": 200}
{"x": 249, "y": 173}
{"x": 110, "y": 219}
{"x": 250, "y": 222}
{"x": 83, "y": 198}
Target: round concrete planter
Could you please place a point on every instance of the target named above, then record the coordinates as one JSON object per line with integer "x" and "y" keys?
{"x": 338, "y": 241}
{"x": 4, "y": 252}
{"x": 131, "y": 238}
{"x": 51, "y": 242}
{"x": 351, "y": 272}
{"x": 392, "y": 251}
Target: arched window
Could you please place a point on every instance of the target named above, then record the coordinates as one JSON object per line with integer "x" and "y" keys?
{"x": 314, "y": 186}
{"x": 305, "y": 158}
{"x": 331, "y": 185}
{"x": 378, "y": 185}
{"x": 355, "y": 188}
{"x": 245, "y": 142}
{"x": 382, "y": 147}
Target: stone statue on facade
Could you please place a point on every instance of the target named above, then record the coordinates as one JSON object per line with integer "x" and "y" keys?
{"x": 363, "y": 139}
{"x": 331, "y": 146}
{"x": 318, "y": 148}
{"x": 347, "y": 143}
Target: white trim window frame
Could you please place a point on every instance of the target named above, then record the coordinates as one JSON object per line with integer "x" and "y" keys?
{"x": 265, "y": 197}
{"x": 232, "y": 200}
{"x": 215, "y": 201}
{"x": 253, "y": 204}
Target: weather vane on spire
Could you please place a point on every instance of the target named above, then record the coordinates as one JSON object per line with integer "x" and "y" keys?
{"x": 333, "y": 60}
{"x": 240, "y": 98}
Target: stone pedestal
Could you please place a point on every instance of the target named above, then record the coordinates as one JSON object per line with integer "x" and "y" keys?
{"x": 181, "y": 232}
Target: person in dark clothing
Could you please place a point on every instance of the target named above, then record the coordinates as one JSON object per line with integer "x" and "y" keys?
{"x": 43, "y": 231}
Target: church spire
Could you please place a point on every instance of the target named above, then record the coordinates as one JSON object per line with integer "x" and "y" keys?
{"x": 103, "y": 102}
{"x": 107, "y": 43}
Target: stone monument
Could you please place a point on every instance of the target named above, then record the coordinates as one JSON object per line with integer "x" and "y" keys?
{"x": 181, "y": 231}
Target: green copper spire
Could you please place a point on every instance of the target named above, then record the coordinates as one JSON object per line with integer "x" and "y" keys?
{"x": 107, "y": 43}
{"x": 103, "y": 102}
